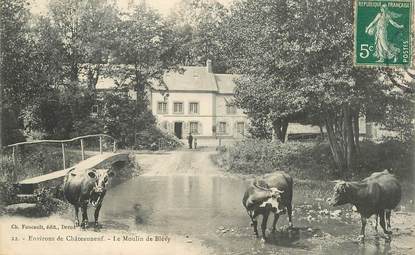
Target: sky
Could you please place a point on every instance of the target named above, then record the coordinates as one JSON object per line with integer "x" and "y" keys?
{"x": 163, "y": 6}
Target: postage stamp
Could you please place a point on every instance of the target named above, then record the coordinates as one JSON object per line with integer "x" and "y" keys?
{"x": 383, "y": 33}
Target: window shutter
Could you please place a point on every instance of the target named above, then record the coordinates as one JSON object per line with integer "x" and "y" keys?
{"x": 199, "y": 128}
{"x": 228, "y": 128}
{"x": 235, "y": 128}
{"x": 170, "y": 127}
{"x": 186, "y": 128}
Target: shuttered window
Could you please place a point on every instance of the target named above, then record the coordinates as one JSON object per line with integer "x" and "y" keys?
{"x": 161, "y": 107}
{"x": 194, "y": 108}
{"x": 230, "y": 108}
{"x": 194, "y": 127}
{"x": 240, "y": 128}
{"x": 178, "y": 107}
{"x": 222, "y": 128}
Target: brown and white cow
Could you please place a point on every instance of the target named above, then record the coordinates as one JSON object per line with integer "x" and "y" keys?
{"x": 85, "y": 187}
{"x": 270, "y": 193}
{"x": 376, "y": 195}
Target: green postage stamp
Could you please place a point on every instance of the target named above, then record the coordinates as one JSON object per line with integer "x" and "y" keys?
{"x": 383, "y": 33}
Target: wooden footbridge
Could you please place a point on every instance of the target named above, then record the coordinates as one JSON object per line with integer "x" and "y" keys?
{"x": 100, "y": 160}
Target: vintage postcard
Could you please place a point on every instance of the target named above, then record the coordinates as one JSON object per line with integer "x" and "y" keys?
{"x": 200, "y": 127}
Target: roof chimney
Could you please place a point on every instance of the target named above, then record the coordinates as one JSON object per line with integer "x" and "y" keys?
{"x": 209, "y": 66}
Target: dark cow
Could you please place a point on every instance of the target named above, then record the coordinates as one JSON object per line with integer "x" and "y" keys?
{"x": 271, "y": 193}
{"x": 376, "y": 195}
{"x": 85, "y": 187}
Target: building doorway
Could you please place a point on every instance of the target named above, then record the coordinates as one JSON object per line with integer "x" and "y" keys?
{"x": 178, "y": 129}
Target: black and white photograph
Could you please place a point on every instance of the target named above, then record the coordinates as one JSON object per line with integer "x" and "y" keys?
{"x": 199, "y": 127}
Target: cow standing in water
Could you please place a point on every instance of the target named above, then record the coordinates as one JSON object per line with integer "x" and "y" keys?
{"x": 376, "y": 195}
{"x": 271, "y": 193}
{"x": 85, "y": 187}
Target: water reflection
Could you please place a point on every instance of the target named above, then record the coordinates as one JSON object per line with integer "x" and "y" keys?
{"x": 203, "y": 206}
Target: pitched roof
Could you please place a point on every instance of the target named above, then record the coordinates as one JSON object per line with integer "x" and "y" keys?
{"x": 226, "y": 83}
{"x": 193, "y": 78}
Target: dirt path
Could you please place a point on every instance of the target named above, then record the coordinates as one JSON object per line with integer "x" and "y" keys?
{"x": 181, "y": 162}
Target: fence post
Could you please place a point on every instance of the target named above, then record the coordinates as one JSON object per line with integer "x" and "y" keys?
{"x": 13, "y": 155}
{"x": 82, "y": 149}
{"x": 100, "y": 145}
{"x": 63, "y": 156}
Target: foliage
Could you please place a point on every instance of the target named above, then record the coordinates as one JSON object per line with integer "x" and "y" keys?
{"x": 33, "y": 161}
{"x": 303, "y": 160}
{"x": 297, "y": 58}
{"x": 312, "y": 160}
{"x": 198, "y": 25}
{"x": 146, "y": 47}
{"x": 156, "y": 139}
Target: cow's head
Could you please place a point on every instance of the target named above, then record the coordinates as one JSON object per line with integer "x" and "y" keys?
{"x": 274, "y": 201}
{"x": 100, "y": 180}
{"x": 340, "y": 195}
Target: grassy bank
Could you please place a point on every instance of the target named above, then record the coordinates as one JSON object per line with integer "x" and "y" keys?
{"x": 311, "y": 160}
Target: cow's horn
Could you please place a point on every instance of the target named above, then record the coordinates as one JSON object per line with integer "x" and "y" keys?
{"x": 336, "y": 181}
{"x": 259, "y": 187}
{"x": 277, "y": 190}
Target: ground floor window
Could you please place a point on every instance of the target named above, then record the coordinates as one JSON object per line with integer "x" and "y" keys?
{"x": 240, "y": 128}
{"x": 194, "y": 127}
{"x": 222, "y": 127}
{"x": 94, "y": 110}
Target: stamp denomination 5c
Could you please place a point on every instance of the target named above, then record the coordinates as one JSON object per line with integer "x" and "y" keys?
{"x": 383, "y": 33}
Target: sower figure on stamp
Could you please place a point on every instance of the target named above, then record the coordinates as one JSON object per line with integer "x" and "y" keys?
{"x": 190, "y": 140}
{"x": 384, "y": 49}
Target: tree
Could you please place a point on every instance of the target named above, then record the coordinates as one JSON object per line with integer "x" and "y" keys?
{"x": 297, "y": 58}
{"x": 17, "y": 87}
{"x": 263, "y": 42}
{"x": 198, "y": 25}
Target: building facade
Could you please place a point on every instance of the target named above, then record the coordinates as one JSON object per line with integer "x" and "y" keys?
{"x": 198, "y": 102}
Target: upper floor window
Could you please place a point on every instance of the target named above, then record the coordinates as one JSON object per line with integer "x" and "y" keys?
{"x": 222, "y": 128}
{"x": 230, "y": 108}
{"x": 194, "y": 108}
{"x": 178, "y": 107}
{"x": 161, "y": 107}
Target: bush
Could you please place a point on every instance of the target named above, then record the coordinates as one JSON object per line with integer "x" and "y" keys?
{"x": 255, "y": 156}
{"x": 156, "y": 139}
{"x": 313, "y": 159}
{"x": 392, "y": 154}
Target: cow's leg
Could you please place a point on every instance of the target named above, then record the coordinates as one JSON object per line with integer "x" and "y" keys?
{"x": 96, "y": 214}
{"x": 255, "y": 223}
{"x": 388, "y": 218}
{"x": 84, "y": 209}
{"x": 290, "y": 214}
{"x": 76, "y": 215}
{"x": 274, "y": 223}
{"x": 376, "y": 221}
{"x": 362, "y": 231}
{"x": 264, "y": 224}
{"x": 382, "y": 223}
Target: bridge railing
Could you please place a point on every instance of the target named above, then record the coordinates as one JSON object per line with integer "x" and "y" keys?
{"x": 62, "y": 142}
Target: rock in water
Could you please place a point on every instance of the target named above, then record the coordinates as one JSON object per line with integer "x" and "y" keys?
{"x": 21, "y": 209}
